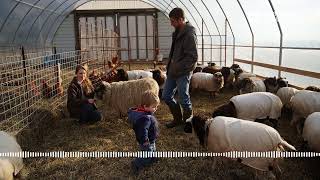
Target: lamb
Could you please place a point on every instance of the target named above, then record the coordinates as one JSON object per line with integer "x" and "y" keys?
{"x": 226, "y": 134}
{"x": 256, "y": 106}
{"x": 303, "y": 104}
{"x": 9, "y": 166}
{"x": 197, "y": 69}
{"x": 209, "y": 82}
{"x": 124, "y": 95}
{"x": 251, "y": 84}
{"x": 311, "y": 131}
{"x": 285, "y": 94}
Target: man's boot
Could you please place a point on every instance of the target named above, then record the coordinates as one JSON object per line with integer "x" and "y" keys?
{"x": 177, "y": 116}
{"x": 187, "y": 113}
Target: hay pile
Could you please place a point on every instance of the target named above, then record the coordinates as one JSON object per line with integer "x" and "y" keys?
{"x": 115, "y": 134}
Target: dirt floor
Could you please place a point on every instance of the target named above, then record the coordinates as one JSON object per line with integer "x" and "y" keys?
{"x": 114, "y": 134}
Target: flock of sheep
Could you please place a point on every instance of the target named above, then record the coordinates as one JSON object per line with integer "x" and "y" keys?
{"x": 234, "y": 126}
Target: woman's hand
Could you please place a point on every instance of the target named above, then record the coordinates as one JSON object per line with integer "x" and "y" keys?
{"x": 91, "y": 101}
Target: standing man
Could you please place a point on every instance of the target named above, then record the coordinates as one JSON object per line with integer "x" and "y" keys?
{"x": 182, "y": 61}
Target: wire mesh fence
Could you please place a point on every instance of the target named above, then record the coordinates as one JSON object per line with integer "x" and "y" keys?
{"x": 33, "y": 82}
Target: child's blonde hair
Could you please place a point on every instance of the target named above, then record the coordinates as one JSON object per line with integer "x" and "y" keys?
{"x": 149, "y": 98}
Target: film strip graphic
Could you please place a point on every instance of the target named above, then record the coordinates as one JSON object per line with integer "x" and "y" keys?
{"x": 159, "y": 154}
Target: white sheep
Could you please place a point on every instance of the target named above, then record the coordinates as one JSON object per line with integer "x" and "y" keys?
{"x": 206, "y": 81}
{"x": 251, "y": 84}
{"x": 311, "y": 131}
{"x": 126, "y": 94}
{"x": 285, "y": 94}
{"x": 137, "y": 74}
{"x": 256, "y": 106}
{"x": 9, "y": 166}
{"x": 226, "y": 134}
{"x": 303, "y": 104}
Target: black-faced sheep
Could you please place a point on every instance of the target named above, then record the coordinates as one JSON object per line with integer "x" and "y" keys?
{"x": 311, "y": 131}
{"x": 303, "y": 104}
{"x": 226, "y": 134}
{"x": 211, "y": 68}
{"x": 197, "y": 69}
{"x": 228, "y": 76}
{"x": 123, "y": 95}
{"x": 251, "y": 84}
{"x": 9, "y": 166}
{"x": 271, "y": 84}
{"x": 206, "y": 81}
{"x": 257, "y": 106}
{"x": 313, "y": 88}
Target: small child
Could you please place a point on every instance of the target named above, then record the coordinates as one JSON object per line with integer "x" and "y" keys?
{"x": 145, "y": 126}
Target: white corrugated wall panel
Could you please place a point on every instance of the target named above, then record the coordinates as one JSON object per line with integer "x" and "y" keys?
{"x": 164, "y": 31}
{"x": 64, "y": 39}
{"x": 99, "y": 5}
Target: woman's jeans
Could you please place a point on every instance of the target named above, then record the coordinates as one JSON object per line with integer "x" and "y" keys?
{"x": 89, "y": 113}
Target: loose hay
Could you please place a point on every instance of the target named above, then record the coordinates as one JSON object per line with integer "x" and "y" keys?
{"x": 115, "y": 134}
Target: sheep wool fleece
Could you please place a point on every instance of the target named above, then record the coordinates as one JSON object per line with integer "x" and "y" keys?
{"x": 311, "y": 131}
{"x": 306, "y": 102}
{"x": 136, "y": 74}
{"x": 286, "y": 93}
{"x": 9, "y": 144}
{"x": 231, "y": 134}
{"x": 257, "y": 105}
{"x": 204, "y": 81}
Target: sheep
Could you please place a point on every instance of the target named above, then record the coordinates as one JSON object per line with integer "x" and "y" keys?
{"x": 313, "y": 88}
{"x": 9, "y": 166}
{"x": 197, "y": 69}
{"x": 311, "y": 131}
{"x": 303, "y": 104}
{"x": 209, "y": 82}
{"x": 227, "y": 134}
{"x": 228, "y": 76}
{"x": 137, "y": 74}
{"x": 256, "y": 106}
{"x": 282, "y": 83}
{"x": 124, "y": 95}
{"x": 271, "y": 84}
{"x": 237, "y": 70}
{"x": 285, "y": 94}
{"x": 212, "y": 68}
{"x": 251, "y": 84}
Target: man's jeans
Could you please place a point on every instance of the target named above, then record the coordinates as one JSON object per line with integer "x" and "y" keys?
{"x": 182, "y": 86}
{"x": 143, "y": 162}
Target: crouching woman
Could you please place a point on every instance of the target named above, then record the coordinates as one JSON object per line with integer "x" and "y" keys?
{"x": 81, "y": 103}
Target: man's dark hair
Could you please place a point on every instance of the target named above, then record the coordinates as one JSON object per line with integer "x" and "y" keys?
{"x": 176, "y": 13}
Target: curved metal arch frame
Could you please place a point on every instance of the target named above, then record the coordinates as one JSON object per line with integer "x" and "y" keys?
{"x": 165, "y": 11}
{"x": 46, "y": 21}
{"x": 15, "y": 33}
{"x": 30, "y": 30}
